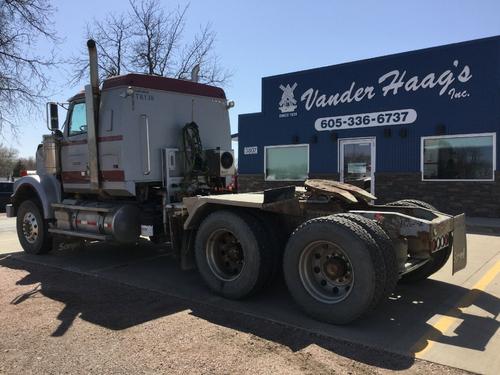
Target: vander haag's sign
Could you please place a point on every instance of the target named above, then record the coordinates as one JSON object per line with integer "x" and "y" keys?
{"x": 448, "y": 83}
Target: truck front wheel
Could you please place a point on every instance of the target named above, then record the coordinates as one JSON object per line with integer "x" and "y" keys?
{"x": 32, "y": 229}
{"x": 233, "y": 253}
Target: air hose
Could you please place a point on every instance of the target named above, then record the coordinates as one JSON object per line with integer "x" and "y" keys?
{"x": 193, "y": 151}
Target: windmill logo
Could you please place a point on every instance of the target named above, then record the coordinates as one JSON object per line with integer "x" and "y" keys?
{"x": 288, "y": 103}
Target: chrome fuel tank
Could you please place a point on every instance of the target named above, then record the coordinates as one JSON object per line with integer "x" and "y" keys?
{"x": 120, "y": 222}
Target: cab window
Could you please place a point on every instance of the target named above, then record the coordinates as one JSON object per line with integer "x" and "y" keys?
{"x": 78, "y": 120}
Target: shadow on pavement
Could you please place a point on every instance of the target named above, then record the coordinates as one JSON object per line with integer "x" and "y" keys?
{"x": 105, "y": 300}
{"x": 414, "y": 305}
{"x": 95, "y": 300}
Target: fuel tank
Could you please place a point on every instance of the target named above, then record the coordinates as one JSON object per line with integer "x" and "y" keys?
{"x": 121, "y": 221}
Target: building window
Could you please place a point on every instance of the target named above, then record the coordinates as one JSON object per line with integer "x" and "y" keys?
{"x": 459, "y": 157}
{"x": 286, "y": 163}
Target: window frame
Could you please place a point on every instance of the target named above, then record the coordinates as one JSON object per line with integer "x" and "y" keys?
{"x": 282, "y": 146}
{"x": 494, "y": 166}
{"x": 357, "y": 140}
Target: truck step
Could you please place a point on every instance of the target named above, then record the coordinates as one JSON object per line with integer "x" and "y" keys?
{"x": 81, "y": 208}
{"x": 93, "y": 236}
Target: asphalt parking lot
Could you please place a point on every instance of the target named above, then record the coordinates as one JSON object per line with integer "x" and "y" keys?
{"x": 448, "y": 320}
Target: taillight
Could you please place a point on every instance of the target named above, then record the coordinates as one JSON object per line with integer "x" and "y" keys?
{"x": 434, "y": 245}
{"x": 233, "y": 185}
{"x": 23, "y": 173}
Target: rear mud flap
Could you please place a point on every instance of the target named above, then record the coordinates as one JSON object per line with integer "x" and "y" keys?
{"x": 459, "y": 243}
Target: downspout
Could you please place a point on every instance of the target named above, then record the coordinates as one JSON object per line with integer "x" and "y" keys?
{"x": 92, "y": 100}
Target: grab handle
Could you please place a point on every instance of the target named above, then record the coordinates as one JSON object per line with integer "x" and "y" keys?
{"x": 147, "y": 164}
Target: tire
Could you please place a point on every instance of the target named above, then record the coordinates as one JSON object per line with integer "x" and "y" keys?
{"x": 32, "y": 229}
{"x": 352, "y": 278}
{"x": 435, "y": 263}
{"x": 437, "y": 260}
{"x": 386, "y": 250}
{"x": 412, "y": 203}
{"x": 241, "y": 268}
{"x": 277, "y": 239}
{"x": 158, "y": 239}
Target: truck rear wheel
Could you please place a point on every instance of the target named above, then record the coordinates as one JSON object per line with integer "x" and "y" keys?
{"x": 385, "y": 246}
{"x": 333, "y": 269}
{"x": 437, "y": 260}
{"x": 233, "y": 253}
{"x": 435, "y": 263}
{"x": 32, "y": 229}
{"x": 277, "y": 237}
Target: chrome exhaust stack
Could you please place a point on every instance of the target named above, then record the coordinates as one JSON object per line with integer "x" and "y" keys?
{"x": 92, "y": 100}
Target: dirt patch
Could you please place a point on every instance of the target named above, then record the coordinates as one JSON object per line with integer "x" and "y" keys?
{"x": 55, "y": 321}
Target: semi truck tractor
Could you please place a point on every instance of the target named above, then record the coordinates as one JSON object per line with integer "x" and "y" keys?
{"x": 142, "y": 155}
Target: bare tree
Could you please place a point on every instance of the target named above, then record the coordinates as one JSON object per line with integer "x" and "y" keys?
{"x": 149, "y": 39}
{"x": 112, "y": 37}
{"x": 157, "y": 36}
{"x": 200, "y": 53}
{"x": 23, "y": 77}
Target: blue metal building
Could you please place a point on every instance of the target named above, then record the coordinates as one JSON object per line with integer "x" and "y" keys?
{"x": 419, "y": 124}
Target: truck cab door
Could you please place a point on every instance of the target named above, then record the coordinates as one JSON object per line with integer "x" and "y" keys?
{"x": 74, "y": 150}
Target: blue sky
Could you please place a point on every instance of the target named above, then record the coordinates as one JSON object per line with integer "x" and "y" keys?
{"x": 261, "y": 38}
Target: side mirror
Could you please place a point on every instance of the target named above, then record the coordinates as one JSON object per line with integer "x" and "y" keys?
{"x": 54, "y": 116}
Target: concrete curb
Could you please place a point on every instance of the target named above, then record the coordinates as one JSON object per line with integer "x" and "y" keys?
{"x": 483, "y": 225}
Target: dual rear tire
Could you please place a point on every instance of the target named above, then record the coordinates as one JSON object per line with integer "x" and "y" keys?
{"x": 337, "y": 268}
{"x": 234, "y": 253}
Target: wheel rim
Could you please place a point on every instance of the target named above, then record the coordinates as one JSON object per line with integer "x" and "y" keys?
{"x": 225, "y": 255}
{"x": 326, "y": 272}
{"x": 30, "y": 227}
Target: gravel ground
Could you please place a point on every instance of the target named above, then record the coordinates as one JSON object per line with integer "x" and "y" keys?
{"x": 55, "y": 322}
